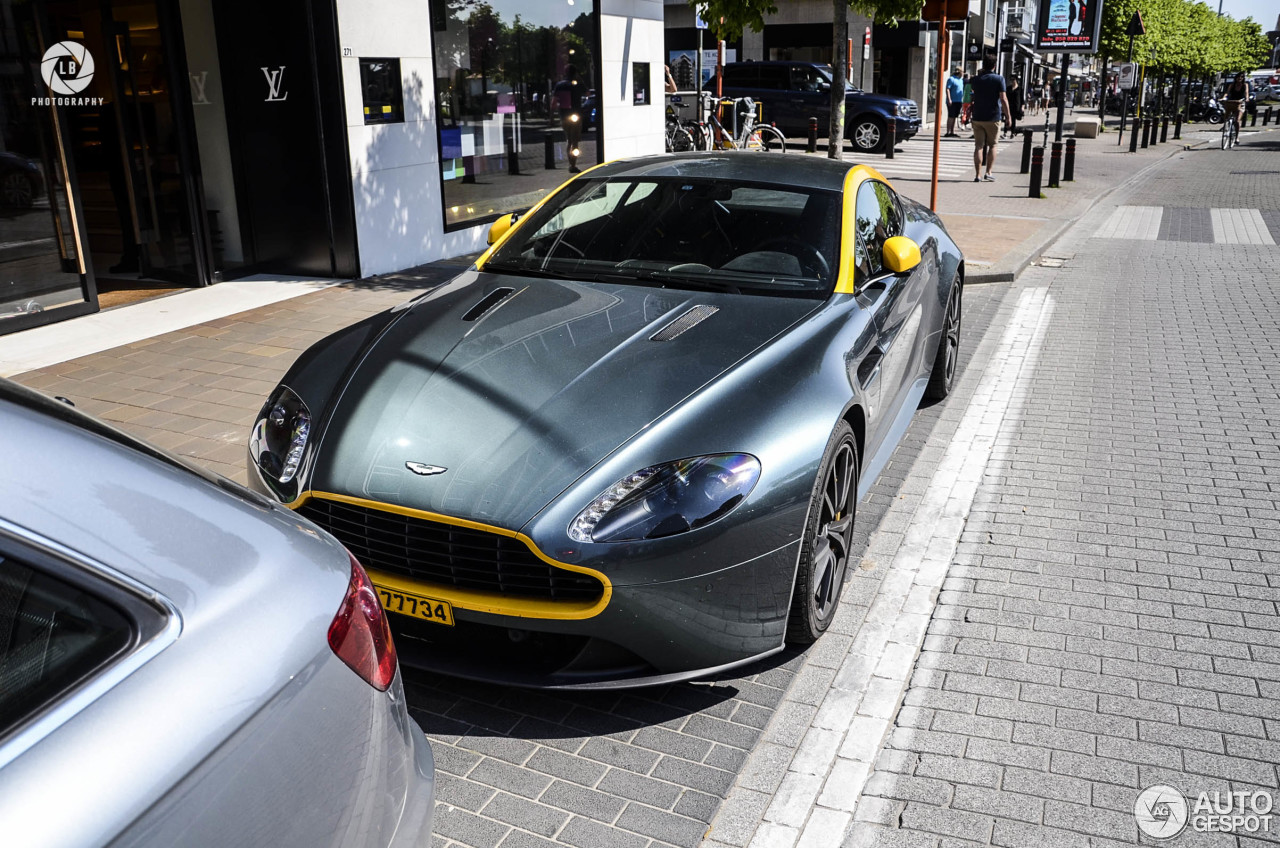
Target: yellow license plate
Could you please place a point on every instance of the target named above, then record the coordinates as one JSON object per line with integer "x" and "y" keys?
{"x": 416, "y": 606}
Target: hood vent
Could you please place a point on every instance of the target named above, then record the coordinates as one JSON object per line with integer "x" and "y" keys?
{"x": 684, "y": 323}
{"x": 487, "y": 303}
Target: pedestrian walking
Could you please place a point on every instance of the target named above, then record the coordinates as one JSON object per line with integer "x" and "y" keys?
{"x": 1015, "y": 106}
{"x": 955, "y": 101}
{"x": 990, "y": 109}
{"x": 966, "y": 101}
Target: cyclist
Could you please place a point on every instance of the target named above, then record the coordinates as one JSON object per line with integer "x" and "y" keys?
{"x": 1235, "y": 97}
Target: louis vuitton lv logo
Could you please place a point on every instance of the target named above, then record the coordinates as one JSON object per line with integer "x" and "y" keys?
{"x": 275, "y": 79}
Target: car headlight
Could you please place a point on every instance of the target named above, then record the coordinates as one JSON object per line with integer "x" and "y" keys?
{"x": 279, "y": 437}
{"x": 663, "y": 500}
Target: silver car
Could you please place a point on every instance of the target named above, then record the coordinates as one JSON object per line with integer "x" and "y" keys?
{"x": 183, "y": 662}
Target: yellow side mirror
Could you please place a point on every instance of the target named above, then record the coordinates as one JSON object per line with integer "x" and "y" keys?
{"x": 901, "y": 254}
{"x": 500, "y": 227}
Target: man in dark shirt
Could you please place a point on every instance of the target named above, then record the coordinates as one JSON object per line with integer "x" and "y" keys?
{"x": 990, "y": 109}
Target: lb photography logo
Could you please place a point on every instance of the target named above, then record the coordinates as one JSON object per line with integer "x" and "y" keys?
{"x": 1163, "y": 812}
{"x": 67, "y": 68}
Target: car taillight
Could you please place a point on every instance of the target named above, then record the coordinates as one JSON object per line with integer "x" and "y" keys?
{"x": 359, "y": 634}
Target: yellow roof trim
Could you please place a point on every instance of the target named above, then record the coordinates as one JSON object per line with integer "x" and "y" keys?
{"x": 853, "y": 180}
{"x": 490, "y": 602}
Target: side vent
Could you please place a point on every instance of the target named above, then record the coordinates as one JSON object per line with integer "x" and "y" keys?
{"x": 489, "y": 301}
{"x": 684, "y": 323}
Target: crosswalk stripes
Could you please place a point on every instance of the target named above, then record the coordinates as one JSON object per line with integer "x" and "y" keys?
{"x": 1192, "y": 224}
{"x": 915, "y": 159}
{"x": 1133, "y": 222}
{"x": 1239, "y": 226}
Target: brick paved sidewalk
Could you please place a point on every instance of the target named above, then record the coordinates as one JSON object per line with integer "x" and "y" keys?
{"x": 1109, "y": 617}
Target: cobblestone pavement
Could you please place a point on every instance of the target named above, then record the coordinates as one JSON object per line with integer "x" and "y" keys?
{"x": 646, "y": 768}
{"x": 1108, "y": 620}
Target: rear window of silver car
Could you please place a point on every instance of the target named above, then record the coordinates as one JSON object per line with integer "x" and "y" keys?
{"x": 52, "y": 635}
{"x": 702, "y": 234}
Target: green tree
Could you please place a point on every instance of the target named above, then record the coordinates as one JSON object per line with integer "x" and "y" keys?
{"x": 727, "y": 18}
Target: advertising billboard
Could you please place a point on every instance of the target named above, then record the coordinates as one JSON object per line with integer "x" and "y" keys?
{"x": 1068, "y": 26}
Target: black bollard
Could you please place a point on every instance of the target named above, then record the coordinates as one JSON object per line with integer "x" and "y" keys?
{"x": 1026, "y": 151}
{"x": 1253, "y": 118}
{"x": 1146, "y": 133}
{"x": 1164, "y": 130}
{"x": 1177, "y": 126}
{"x": 1069, "y": 163}
{"x": 888, "y": 139}
{"x": 1133, "y": 137}
{"x": 813, "y": 136}
{"x": 1055, "y": 164}
{"x": 1266, "y": 119}
{"x": 513, "y": 160}
{"x": 1037, "y": 167}
{"x": 548, "y": 152}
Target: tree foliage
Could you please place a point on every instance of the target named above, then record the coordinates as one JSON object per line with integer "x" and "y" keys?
{"x": 1183, "y": 35}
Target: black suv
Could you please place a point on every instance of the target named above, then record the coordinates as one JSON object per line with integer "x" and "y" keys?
{"x": 794, "y": 92}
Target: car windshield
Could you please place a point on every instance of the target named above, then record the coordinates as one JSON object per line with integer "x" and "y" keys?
{"x": 748, "y": 238}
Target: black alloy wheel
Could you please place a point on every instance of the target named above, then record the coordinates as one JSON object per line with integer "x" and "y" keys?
{"x": 948, "y": 355}
{"x": 825, "y": 551}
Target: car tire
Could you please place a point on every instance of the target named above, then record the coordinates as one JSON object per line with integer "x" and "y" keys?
{"x": 825, "y": 549}
{"x": 866, "y": 134}
{"x": 947, "y": 359}
{"x": 16, "y": 190}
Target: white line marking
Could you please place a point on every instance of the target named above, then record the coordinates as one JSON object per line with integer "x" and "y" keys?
{"x": 1239, "y": 226}
{"x": 1132, "y": 222}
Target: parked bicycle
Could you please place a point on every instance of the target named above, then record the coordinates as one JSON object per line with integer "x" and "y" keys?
{"x": 751, "y": 135}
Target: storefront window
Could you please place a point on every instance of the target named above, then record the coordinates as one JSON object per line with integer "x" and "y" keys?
{"x": 516, "y": 94}
{"x": 40, "y": 262}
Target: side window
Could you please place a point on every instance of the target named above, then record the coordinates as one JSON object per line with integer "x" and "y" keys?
{"x": 890, "y": 210}
{"x": 773, "y": 77}
{"x": 804, "y": 78}
{"x": 52, "y": 635}
{"x": 743, "y": 76}
{"x": 871, "y": 229}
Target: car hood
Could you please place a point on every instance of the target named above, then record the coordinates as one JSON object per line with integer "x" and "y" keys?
{"x": 519, "y": 402}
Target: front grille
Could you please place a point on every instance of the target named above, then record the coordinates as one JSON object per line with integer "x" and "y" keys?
{"x": 913, "y": 111}
{"x": 446, "y": 555}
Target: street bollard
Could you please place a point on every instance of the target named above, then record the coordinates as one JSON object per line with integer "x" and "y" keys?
{"x": 1146, "y": 133}
{"x": 1267, "y": 117}
{"x": 888, "y": 139}
{"x": 1055, "y": 164}
{"x": 1253, "y": 119}
{"x": 1026, "y": 151}
{"x": 1177, "y": 126}
{"x": 1164, "y": 130}
{"x": 813, "y": 136}
{"x": 1069, "y": 163}
{"x": 513, "y": 160}
{"x": 1037, "y": 167}
{"x": 1133, "y": 137}
{"x": 548, "y": 152}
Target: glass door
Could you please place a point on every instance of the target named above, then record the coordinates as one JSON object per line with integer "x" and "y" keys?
{"x": 44, "y": 275}
{"x": 158, "y": 239}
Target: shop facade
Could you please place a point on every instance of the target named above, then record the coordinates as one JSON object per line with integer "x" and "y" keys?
{"x": 185, "y": 142}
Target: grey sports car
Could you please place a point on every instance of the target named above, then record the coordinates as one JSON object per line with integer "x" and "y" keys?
{"x": 183, "y": 662}
{"x": 627, "y": 445}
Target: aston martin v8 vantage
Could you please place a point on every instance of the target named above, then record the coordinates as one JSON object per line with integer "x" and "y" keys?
{"x": 628, "y": 444}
